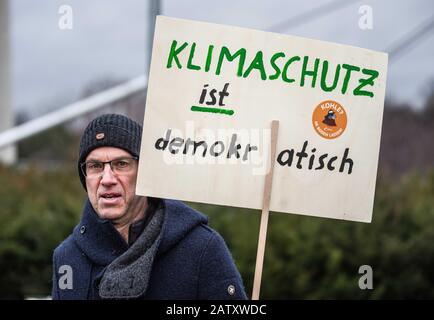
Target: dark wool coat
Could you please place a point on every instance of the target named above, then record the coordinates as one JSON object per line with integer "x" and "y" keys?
{"x": 188, "y": 259}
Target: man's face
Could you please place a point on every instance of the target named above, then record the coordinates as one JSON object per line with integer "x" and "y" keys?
{"x": 112, "y": 195}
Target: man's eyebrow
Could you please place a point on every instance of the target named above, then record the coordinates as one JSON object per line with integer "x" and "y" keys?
{"x": 98, "y": 160}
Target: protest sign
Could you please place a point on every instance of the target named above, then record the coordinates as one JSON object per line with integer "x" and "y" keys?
{"x": 214, "y": 90}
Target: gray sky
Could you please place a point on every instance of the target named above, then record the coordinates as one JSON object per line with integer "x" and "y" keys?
{"x": 52, "y": 67}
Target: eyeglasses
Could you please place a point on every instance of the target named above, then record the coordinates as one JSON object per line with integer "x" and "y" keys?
{"x": 92, "y": 169}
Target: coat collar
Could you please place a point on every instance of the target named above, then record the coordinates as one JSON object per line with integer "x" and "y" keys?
{"x": 101, "y": 242}
{"x": 179, "y": 220}
{"x": 98, "y": 238}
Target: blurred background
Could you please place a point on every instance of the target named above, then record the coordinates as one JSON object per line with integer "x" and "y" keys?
{"x": 64, "y": 62}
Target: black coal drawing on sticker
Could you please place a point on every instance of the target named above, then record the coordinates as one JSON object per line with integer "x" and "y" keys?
{"x": 329, "y": 119}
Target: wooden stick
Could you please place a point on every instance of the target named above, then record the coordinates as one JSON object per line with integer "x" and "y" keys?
{"x": 265, "y": 213}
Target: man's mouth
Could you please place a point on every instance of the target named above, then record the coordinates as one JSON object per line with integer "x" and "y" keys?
{"x": 110, "y": 197}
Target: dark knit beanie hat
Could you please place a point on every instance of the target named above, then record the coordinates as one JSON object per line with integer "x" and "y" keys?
{"x": 109, "y": 130}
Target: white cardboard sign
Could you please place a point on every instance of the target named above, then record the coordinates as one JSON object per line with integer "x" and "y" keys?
{"x": 214, "y": 90}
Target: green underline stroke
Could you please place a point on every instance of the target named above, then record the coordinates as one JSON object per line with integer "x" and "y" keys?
{"x": 212, "y": 110}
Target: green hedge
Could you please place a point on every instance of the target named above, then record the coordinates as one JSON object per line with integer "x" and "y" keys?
{"x": 37, "y": 211}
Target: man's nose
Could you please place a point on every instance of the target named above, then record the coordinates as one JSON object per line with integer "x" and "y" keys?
{"x": 108, "y": 176}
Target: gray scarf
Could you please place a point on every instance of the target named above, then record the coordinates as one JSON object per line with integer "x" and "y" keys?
{"x": 127, "y": 277}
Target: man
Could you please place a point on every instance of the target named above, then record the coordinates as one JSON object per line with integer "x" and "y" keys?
{"x": 128, "y": 246}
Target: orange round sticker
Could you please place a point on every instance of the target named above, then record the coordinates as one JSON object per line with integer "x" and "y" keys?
{"x": 329, "y": 119}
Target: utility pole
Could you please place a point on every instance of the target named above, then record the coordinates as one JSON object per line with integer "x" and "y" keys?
{"x": 8, "y": 154}
{"x": 154, "y": 10}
